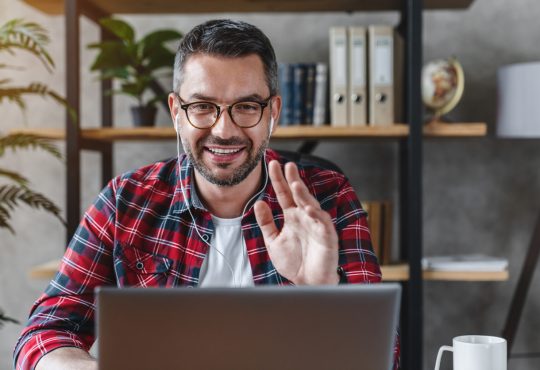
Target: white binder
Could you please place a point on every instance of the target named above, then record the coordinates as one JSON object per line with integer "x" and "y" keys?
{"x": 381, "y": 75}
{"x": 357, "y": 92}
{"x": 338, "y": 77}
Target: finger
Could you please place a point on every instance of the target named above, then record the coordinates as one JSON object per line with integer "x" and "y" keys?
{"x": 302, "y": 196}
{"x": 281, "y": 187}
{"x": 300, "y": 192}
{"x": 264, "y": 218}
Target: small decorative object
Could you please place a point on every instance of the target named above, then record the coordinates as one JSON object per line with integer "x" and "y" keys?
{"x": 443, "y": 82}
{"x": 518, "y": 108}
{"x": 135, "y": 64}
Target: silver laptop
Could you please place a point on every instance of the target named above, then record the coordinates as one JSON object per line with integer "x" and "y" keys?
{"x": 266, "y": 328}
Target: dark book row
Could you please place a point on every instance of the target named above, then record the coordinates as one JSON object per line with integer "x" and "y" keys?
{"x": 304, "y": 90}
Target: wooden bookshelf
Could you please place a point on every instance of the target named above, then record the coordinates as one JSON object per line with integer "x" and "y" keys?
{"x": 243, "y": 6}
{"x": 399, "y": 272}
{"x": 443, "y": 130}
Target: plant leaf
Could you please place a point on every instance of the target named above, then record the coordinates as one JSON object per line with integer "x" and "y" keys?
{"x": 112, "y": 55}
{"x": 14, "y": 176}
{"x": 24, "y": 141}
{"x": 12, "y": 195}
{"x": 28, "y": 36}
{"x": 161, "y": 57}
{"x": 119, "y": 28}
{"x": 156, "y": 39}
{"x": 4, "y": 319}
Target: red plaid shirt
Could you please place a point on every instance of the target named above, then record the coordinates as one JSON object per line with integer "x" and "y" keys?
{"x": 139, "y": 232}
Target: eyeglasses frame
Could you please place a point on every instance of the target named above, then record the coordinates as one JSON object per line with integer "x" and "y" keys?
{"x": 228, "y": 107}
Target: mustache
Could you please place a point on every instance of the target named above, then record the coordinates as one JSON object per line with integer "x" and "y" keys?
{"x": 215, "y": 140}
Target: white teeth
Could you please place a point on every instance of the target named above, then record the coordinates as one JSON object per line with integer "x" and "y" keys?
{"x": 223, "y": 151}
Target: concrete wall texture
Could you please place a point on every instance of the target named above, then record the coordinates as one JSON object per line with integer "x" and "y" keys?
{"x": 480, "y": 195}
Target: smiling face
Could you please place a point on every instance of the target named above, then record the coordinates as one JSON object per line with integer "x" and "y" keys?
{"x": 225, "y": 155}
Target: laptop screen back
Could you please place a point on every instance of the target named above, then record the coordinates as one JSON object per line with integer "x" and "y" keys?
{"x": 268, "y": 328}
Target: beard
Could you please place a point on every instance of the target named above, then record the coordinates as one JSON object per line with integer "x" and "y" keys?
{"x": 254, "y": 156}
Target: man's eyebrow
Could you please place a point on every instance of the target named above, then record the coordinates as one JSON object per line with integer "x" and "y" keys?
{"x": 202, "y": 97}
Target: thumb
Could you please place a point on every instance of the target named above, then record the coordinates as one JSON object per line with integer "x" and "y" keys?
{"x": 263, "y": 214}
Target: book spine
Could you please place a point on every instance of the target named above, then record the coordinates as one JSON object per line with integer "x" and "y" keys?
{"x": 310, "y": 70}
{"x": 320, "y": 103}
{"x": 299, "y": 90}
{"x": 285, "y": 80}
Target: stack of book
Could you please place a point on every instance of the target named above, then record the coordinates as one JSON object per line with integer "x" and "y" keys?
{"x": 465, "y": 262}
{"x": 365, "y": 75}
{"x": 380, "y": 226}
{"x": 303, "y": 88}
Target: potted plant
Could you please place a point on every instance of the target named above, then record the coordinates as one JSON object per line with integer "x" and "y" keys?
{"x": 30, "y": 37}
{"x": 135, "y": 64}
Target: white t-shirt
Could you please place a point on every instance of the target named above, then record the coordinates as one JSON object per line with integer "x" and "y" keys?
{"x": 216, "y": 267}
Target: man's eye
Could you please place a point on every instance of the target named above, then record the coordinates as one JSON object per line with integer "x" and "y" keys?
{"x": 247, "y": 107}
{"x": 202, "y": 107}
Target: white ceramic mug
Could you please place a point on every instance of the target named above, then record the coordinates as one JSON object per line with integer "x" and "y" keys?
{"x": 476, "y": 352}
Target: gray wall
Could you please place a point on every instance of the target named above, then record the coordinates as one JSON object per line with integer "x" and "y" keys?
{"x": 480, "y": 195}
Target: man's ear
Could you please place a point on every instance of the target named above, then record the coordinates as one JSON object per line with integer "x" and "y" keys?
{"x": 174, "y": 109}
{"x": 276, "y": 111}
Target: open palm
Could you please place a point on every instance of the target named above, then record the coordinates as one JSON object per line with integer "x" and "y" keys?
{"x": 305, "y": 251}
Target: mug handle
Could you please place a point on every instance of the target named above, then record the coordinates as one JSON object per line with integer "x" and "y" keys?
{"x": 440, "y": 353}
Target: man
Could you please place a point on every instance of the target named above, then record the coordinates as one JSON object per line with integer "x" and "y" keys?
{"x": 229, "y": 212}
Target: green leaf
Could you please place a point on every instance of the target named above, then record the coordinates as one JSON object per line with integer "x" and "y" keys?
{"x": 112, "y": 55}
{"x": 14, "y": 176}
{"x": 160, "y": 58}
{"x": 28, "y": 36}
{"x": 25, "y": 141}
{"x": 12, "y": 195}
{"x": 4, "y": 319}
{"x": 119, "y": 28}
{"x": 15, "y": 94}
{"x": 156, "y": 39}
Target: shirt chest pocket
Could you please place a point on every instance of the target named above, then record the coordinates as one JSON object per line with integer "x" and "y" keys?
{"x": 137, "y": 267}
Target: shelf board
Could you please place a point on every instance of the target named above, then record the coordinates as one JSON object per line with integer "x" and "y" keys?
{"x": 399, "y": 272}
{"x": 243, "y": 6}
{"x": 282, "y": 133}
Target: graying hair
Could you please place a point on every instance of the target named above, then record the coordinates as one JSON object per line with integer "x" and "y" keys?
{"x": 227, "y": 38}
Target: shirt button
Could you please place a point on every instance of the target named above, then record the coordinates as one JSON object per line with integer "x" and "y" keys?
{"x": 139, "y": 265}
{"x": 205, "y": 237}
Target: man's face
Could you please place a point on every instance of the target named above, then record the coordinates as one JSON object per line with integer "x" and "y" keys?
{"x": 224, "y": 154}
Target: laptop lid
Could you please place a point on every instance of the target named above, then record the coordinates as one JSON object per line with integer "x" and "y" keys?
{"x": 262, "y": 328}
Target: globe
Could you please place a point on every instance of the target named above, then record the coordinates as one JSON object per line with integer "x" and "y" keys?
{"x": 442, "y": 85}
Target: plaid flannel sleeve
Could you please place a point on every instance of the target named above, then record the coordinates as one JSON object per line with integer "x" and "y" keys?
{"x": 356, "y": 257}
{"x": 64, "y": 315}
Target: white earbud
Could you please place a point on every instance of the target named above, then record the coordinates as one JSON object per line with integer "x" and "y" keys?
{"x": 176, "y": 121}
{"x": 271, "y": 124}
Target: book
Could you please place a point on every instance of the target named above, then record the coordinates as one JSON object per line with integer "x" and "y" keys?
{"x": 309, "y": 93}
{"x": 285, "y": 80}
{"x": 298, "y": 93}
{"x": 321, "y": 92}
{"x": 465, "y": 262}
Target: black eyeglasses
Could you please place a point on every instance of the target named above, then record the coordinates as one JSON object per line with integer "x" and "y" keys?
{"x": 205, "y": 114}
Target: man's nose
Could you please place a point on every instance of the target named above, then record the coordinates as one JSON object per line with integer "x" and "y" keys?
{"x": 225, "y": 127}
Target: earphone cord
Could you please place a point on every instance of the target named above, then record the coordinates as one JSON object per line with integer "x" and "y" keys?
{"x": 244, "y": 247}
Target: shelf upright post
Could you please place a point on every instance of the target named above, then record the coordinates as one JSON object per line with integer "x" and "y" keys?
{"x": 106, "y": 120}
{"x": 73, "y": 178}
{"x": 411, "y": 190}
